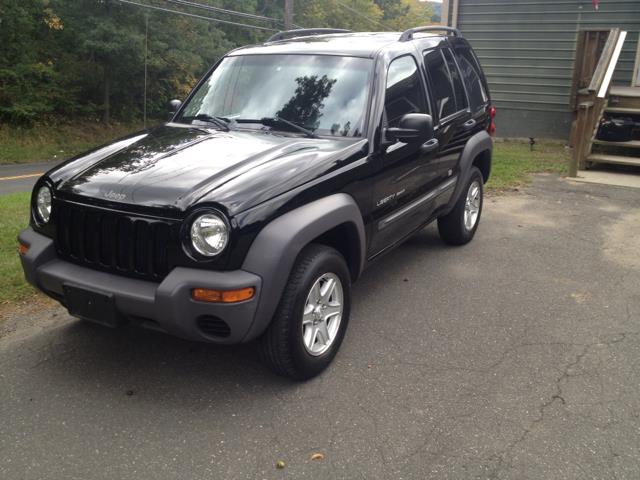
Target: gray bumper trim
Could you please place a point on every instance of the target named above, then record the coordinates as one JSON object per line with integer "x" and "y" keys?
{"x": 168, "y": 303}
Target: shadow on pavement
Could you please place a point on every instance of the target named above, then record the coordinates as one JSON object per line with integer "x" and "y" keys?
{"x": 157, "y": 367}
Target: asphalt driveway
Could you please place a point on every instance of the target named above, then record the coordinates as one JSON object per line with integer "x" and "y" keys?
{"x": 517, "y": 356}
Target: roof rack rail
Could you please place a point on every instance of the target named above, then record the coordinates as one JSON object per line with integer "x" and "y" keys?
{"x": 304, "y": 32}
{"x": 408, "y": 34}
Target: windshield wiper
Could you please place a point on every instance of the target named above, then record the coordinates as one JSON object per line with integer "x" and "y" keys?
{"x": 271, "y": 121}
{"x": 306, "y": 131}
{"x": 219, "y": 122}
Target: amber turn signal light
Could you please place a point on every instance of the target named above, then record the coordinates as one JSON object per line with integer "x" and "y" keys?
{"x": 222, "y": 296}
{"x": 23, "y": 249}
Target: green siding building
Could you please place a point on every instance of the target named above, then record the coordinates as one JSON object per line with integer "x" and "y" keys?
{"x": 527, "y": 49}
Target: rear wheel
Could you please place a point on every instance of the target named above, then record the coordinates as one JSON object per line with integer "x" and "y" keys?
{"x": 459, "y": 226}
{"x": 310, "y": 322}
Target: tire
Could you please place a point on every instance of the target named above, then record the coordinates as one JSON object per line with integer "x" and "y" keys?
{"x": 294, "y": 345}
{"x": 459, "y": 226}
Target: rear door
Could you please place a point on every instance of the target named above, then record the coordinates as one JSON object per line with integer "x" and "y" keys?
{"x": 474, "y": 81}
{"x": 455, "y": 124}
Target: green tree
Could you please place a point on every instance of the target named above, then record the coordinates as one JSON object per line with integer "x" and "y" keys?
{"x": 339, "y": 14}
{"x": 29, "y": 85}
{"x": 71, "y": 59}
{"x": 403, "y": 14}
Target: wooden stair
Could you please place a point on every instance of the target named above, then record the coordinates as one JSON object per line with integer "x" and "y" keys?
{"x": 628, "y": 111}
{"x": 622, "y": 101}
{"x": 614, "y": 159}
{"x": 625, "y": 97}
{"x": 593, "y": 97}
{"x": 630, "y": 144}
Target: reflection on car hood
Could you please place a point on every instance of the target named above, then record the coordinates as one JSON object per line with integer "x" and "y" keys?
{"x": 176, "y": 166}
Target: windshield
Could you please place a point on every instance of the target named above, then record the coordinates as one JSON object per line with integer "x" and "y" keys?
{"x": 324, "y": 94}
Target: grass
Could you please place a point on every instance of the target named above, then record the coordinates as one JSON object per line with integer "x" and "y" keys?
{"x": 56, "y": 141}
{"x": 14, "y": 216}
{"x": 513, "y": 164}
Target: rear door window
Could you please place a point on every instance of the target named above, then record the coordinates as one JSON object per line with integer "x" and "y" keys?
{"x": 456, "y": 80}
{"x": 441, "y": 85}
{"x": 472, "y": 75}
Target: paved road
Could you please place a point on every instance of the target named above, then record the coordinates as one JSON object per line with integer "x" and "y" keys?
{"x": 517, "y": 356}
{"x": 20, "y": 177}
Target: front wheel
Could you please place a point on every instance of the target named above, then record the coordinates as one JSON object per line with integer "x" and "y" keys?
{"x": 312, "y": 316}
{"x": 459, "y": 226}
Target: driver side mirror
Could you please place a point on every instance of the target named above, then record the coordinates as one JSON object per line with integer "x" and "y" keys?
{"x": 412, "y": 128}
{"x": 174, "y": 106}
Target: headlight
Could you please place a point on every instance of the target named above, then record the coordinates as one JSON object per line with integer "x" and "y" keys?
{"x": 209, "y": 234}
{"x": 43, "y": 204}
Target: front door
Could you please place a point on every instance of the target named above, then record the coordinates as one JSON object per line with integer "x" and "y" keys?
{"x": 405, "y": 175}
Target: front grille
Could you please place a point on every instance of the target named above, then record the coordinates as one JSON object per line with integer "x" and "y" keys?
{"x": 122, "y": 243}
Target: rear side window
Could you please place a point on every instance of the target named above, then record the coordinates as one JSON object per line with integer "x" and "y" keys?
{"x": 441, "y": 86}
{"x": 405, "y": 93}
{"x": 472, "y": 75}
{"x": 458, "y": 87}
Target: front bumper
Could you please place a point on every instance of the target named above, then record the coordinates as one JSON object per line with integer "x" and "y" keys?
{"x": 165, "y": 306}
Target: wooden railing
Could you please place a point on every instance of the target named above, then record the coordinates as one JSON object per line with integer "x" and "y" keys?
{"x": 590, "y": 101}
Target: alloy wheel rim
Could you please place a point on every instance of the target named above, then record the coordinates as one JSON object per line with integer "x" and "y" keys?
{"x": 472, "y": 205}
{"x": 322, "y": 314}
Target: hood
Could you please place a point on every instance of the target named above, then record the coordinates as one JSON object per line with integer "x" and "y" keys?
{"x": 176, "y": 166}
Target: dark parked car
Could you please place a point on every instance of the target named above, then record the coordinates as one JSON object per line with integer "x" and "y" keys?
{"x": 290, "y": 167}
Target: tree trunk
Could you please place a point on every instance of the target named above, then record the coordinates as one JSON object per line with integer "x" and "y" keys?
{"x": 107, "y": 94}
{"x": 288, "y": 14}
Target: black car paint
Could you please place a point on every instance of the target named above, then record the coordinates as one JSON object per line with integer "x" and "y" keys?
{"x": 256, "y": 176}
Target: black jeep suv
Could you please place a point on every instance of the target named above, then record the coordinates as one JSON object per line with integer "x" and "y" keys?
{"x": 290, "y": 167}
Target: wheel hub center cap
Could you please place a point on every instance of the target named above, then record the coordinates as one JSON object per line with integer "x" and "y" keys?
{"x": 322, "y": 314}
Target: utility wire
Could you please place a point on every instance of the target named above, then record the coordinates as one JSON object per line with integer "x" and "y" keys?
{"x": 228, "y": 12}
{"x": 224, "y": 10}
{"x": 202, "y": 17}
{"x": 353, "y": 10}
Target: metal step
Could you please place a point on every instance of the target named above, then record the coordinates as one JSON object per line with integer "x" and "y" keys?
{"x": 629, "y": 144}
{"x": 617, "y": 159}
{"x": 628, "y": 111}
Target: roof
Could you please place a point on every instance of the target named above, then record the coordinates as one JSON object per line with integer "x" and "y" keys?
{"x": 357, "y": 44}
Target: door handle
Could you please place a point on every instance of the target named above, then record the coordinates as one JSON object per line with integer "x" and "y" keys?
{"x": 469, "y": 124}
{"x": 429, "y": 146}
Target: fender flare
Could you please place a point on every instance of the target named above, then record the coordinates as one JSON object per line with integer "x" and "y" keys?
{"x": 477, "y": 144}
{"x": 275, "y": 249}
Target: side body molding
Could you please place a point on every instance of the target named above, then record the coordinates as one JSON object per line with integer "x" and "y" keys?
{"x": 277, "y": 246}
{"x": 477, "y": 144}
